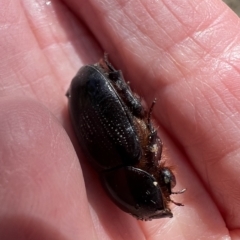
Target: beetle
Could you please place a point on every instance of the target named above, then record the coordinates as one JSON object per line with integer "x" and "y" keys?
{"x": 117, "y": 135}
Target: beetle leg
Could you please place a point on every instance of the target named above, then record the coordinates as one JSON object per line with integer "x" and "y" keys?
{"x": 117, "y": 77}
{"x": 110, "y": 66}
{"x": 123, "y": 88}
{"x": 154, "y": 148}
{"x": 179, "y": 192}
{"x": 150, "y": 113}
{"x": 176, "y": 203}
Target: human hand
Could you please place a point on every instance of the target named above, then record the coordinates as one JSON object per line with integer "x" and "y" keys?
{"x": 186, "y": 54}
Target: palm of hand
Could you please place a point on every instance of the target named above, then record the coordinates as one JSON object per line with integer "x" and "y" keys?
{"x": 176, "y": 54}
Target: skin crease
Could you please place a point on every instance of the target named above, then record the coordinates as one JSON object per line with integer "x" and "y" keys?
{"x": 185, "y": 53}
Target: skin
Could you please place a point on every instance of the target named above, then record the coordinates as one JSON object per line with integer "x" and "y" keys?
{"x": 185, "y": 53}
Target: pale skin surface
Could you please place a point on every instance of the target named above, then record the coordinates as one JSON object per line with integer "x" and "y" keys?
{"x": 185, "y": 53}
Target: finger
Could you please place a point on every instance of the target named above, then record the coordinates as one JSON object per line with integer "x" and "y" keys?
{"x": 42, "y": 190}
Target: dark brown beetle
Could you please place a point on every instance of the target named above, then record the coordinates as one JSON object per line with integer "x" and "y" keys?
{"x": 119, "y": 139}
